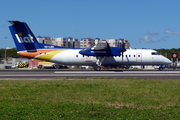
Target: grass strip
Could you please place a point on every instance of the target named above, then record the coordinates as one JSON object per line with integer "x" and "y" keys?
{"x": 98, "y": 98}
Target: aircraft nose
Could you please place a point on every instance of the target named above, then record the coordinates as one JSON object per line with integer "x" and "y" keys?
{"x": 168, "y": 61}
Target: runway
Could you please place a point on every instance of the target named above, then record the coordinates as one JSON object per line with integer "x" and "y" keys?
{"x": 50, "y": 74}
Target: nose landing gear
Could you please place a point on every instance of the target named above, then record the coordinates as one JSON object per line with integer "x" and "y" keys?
{"x": 99, "y": 63}
{"x": 160, "y": 68}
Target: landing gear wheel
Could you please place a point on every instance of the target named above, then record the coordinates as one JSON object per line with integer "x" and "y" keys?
{"x": 160, "y": 68}
{"x": 39, "y": 67}
{"x": 56, "y": 66}
{"x": 97, "y": 68}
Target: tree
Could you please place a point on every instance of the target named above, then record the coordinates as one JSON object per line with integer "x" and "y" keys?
{"x": 9, "y": 53}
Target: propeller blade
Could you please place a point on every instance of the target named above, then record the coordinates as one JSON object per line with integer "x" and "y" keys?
{"x": 122, "y": 56}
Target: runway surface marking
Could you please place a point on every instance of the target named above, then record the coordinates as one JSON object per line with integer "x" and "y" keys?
{"x": 120, "y": 72}
{"x": 45, "y": 74}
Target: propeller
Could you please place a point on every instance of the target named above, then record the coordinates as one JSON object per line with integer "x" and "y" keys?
{"x": 123, "y": 48}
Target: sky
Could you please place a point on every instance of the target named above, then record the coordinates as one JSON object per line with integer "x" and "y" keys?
{"x": 153, "y": 24}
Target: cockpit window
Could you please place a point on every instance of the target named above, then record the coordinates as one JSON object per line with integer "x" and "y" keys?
{"x": 155, "y": 53}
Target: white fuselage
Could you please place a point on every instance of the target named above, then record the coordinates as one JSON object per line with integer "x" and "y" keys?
{"x": 131, "y": 57}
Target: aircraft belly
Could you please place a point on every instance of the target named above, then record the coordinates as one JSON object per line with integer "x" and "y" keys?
{"x": 110, "y": 61}
{"x": 118, "y": 61}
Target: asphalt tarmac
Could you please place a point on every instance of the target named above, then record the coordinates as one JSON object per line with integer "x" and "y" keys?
{"x": 54, "y": 74}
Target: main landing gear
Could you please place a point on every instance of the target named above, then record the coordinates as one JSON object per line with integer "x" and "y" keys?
{"x": 97, "y": 68}
{"x": 99, "y": 63}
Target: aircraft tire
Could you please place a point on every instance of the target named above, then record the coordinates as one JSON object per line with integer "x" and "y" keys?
{"x": 98, "y": 68}
{"x": 56, "y": 66}
{"x": 95, "y": 68}
{"x": 160, "y": 68}
{"x": 39, "y": 67}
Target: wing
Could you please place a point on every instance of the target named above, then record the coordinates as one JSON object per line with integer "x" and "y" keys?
{"x": 101, "y": 49}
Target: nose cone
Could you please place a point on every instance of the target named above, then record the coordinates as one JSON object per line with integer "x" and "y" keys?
{"x": 167, "y": 61}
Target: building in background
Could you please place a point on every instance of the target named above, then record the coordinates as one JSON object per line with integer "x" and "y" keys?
{"x": 67, "y": 42}
{"x": 113, "y": 42}
{"x": 84, "y": 43}
{"x": 87, "y": 42}
{"x": 96, "y": 40}
{"x": 44, "y": 40}
{"x": 118, "y": 43}
{"x": 39, "y": 39}
{"x": 127, "y": 45}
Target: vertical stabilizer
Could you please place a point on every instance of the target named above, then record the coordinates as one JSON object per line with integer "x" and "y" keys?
{"x": 23, "y": 37}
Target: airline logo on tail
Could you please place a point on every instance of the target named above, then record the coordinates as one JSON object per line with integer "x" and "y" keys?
{"x": 25, "y": 39}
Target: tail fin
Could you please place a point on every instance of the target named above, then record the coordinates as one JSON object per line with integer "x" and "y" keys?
{"x": 23, "y": 37}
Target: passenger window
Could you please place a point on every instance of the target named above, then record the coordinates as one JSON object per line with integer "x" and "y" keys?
{"x": 134, "y": 55}
{"x": 76, "y": 55}
{"x": 129, "y": 55}
{"x": 138, "y": 55}
{"x": 126, "y": 55}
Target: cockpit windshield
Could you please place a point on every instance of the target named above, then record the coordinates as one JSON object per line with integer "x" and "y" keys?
{"x": 155, "y": 53}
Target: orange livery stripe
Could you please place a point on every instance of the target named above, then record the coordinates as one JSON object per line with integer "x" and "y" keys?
{"x": 41, "y": 53}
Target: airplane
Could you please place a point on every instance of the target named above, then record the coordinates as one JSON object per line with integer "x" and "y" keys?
{"x": 99, "y": 55}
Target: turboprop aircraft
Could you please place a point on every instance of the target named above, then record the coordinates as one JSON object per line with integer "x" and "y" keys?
{"x": 98, "y": 55}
